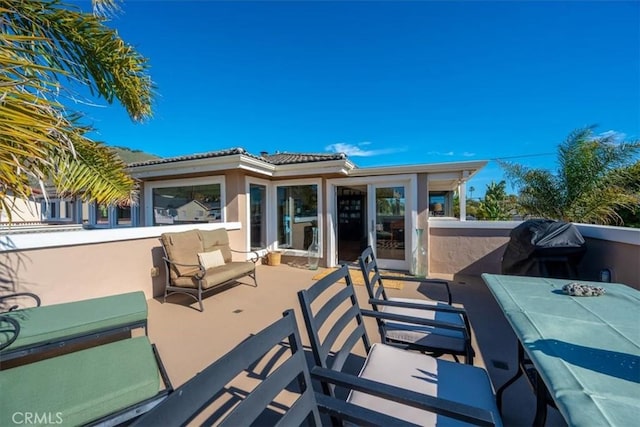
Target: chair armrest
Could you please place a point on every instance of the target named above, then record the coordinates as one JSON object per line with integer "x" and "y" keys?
{"x": 11, "y": 327}
{"x": 413, "y": 305}
{"x": 415, "y": 320}
{"x": 254, "y": 257}
{"x": 359, "y": 415}
{"x": 422, "y": 280}
{"x": 200, "y": 275}
{"x": 35, "y": 297}
{"x": 448, "y": 408}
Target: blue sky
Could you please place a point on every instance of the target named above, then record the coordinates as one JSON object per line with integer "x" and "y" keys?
{"x": 386, "y": 82}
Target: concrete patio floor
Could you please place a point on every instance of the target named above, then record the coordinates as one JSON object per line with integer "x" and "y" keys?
{"x": 188, "y": 340}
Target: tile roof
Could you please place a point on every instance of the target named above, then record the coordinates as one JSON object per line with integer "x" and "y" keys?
{"x": 290, "y": 158}
{"x": 210, "y": 154}
{"x": 274, "y": 159}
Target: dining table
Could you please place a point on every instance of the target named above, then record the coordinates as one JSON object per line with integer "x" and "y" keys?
{"x": 580, "y": 353}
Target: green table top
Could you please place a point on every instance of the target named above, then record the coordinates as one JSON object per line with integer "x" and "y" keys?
{"x": 586, "y": 349}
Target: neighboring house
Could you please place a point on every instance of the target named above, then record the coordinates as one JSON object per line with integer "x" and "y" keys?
{"x": 22, "y": 211}
{"x": 279, "y": 199}
{"x": 192, "y": 211}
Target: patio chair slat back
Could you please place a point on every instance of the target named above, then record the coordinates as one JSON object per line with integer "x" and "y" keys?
{"x": 350, "y": 317}
{"x": 198, "y": 394}
{"x": 261, "y": 396}
{"x": 371, "y": 275}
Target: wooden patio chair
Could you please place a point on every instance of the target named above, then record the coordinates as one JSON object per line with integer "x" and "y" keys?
{"x": 425, "y": 338}
{"x": 460, "y": 393}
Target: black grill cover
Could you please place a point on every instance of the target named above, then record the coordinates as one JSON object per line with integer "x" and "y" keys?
{"x": 539, "y": 241}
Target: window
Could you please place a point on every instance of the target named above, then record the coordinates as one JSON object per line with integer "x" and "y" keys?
{"x": 297, "y": 215}
{"x": 102, "y": 215}
{"x": 257, "y": 215}
{"x": 58, "y": 210}
{"x": 440, "y": 203}
{"x": 123, "y": 215}
{"x": 189, "y": 201}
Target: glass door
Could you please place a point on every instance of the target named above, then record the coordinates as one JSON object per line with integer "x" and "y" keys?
{"x": 388, "y": 210}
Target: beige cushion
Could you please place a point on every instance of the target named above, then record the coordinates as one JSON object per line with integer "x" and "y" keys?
{"x": 211, "y": 259}
{"x": 183, "y": 247}
{"x": 424, "y": 374}
{"x": 422, "y": 334}
{"x": 216, "y": 240}
{"x": 230, "y": 271}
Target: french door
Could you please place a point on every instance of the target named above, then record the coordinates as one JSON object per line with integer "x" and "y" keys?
{"x": 390, "y": 203}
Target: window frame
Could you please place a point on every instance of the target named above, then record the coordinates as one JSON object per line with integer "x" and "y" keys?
{"x": 320, "y": 213}
{"x": 181, "y": 182}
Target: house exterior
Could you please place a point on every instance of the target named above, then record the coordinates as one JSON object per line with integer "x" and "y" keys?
{"x": 279, "y": 198}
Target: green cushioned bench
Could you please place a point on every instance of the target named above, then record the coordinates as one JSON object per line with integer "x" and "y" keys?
{"x": 120, "y": 379}
{"x": 53, "y": 326}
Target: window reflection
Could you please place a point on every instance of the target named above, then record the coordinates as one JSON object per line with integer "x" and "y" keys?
{"x": 187, "y": 204}
{"x": 297, "y": 215}
{"x": 440, "y": 203}
{"x": 257, "y": 213}
{"x": 390, "y": 223}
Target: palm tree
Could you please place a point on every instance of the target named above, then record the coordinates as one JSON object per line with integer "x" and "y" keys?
{"x": 42, "y": 44}
{"x": 592, "y": 183}
{"x": 494, "y": 205}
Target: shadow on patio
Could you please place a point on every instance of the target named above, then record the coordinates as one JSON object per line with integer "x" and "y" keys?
{"x": 189, "y": 340}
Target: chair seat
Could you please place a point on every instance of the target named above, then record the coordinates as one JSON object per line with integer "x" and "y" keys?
{"x": 217, "y": 275}
{"x": 423, "y": 374}
{"x": 427, "y": 336}
{"x": 230, "y": 271}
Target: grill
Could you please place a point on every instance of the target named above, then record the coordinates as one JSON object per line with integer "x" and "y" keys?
{"x": 544, "y": 248}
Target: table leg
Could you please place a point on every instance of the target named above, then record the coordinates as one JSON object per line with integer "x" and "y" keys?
{"x": 518, "y": 374}
{"x": 541, "y": 402}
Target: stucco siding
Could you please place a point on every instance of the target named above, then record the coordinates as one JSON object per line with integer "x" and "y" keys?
{"x": 466, "y": 251}
{"x": 61, "y": 274}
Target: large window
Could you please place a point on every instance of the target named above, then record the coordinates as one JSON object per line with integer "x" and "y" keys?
{"x": 185, "y": 202}
{"x": 297, "y": 215}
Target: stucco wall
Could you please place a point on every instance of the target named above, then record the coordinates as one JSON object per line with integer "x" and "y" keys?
{"x": 61, "y": 274}
{"x": 622, "y": 259}
{"x": 462, "y": 249}
{"x": 466, "y": 251}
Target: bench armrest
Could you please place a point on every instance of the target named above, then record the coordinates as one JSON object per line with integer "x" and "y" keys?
{"x": 200, "y": 274}
{"x": 10, "y": 328}
{"x": 255, "y": 256}
{"x": 35, "y": 297}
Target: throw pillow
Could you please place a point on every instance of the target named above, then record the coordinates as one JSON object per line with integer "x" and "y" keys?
{"x": 211, "y": 259}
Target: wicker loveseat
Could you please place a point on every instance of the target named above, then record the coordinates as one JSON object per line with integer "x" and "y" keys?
{"x": 197, "y": 261}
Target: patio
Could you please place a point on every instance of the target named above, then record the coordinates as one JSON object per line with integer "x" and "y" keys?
{"x": 189, "y": 340}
